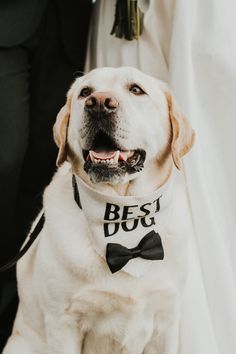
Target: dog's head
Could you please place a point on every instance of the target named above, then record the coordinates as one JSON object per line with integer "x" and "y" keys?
{"x": 118, "y": 120}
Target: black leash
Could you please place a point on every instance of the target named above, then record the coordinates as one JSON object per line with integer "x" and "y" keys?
{"x": 33, "y": 235}
{"x": 76, "y": 192}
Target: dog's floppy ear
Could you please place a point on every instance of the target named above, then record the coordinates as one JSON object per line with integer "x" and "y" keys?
{"x": 183, "y": 135}
{"x": 60, "y": 130}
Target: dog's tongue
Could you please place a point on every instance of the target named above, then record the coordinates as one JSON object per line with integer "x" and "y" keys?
{"x": 103, "y": 155}
{"x": 115, "y": 156}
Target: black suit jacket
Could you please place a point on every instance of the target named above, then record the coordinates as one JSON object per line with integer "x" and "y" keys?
{"x": 20, "y": 18}
{"x": 75, "y": 19}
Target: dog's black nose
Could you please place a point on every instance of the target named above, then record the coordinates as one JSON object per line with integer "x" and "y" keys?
{"x": 101, "y": 102}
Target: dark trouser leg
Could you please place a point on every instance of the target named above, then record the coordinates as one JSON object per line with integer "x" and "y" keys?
{"x": 52, "y": 74}
{"x": 50, "y": 78}
{"x": 14, "y": 127}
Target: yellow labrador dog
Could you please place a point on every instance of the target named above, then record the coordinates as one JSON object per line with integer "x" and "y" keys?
{"x": 107, "y": 271}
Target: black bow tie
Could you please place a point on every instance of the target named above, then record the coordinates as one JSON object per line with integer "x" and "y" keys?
{"x": 150, "y": 247}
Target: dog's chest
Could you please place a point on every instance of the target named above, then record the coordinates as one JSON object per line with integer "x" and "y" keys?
{"x": 108, "y": 311}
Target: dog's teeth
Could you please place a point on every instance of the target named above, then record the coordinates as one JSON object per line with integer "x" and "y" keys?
{"x": 116, "y": 157}
{"x": 91, "y": 156}
{"x": 107, "y": 161}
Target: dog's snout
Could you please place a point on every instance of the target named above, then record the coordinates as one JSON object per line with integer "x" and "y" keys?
{"x": 101, "y": 102}
{"x": 111, "y": 103}
{"x": 90, "y": 103}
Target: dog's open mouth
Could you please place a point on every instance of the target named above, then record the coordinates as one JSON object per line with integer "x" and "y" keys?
{"x": 107, "y": 159}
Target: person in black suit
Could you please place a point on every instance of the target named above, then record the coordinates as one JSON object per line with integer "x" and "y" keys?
{"x": 42, "y": 43}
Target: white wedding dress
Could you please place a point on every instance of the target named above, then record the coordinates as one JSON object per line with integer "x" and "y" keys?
{"x": 191, "y": 44}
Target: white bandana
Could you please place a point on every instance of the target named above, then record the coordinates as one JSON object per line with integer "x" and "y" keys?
{"x": 125, "y": 219}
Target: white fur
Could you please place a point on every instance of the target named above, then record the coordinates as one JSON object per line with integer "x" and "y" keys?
{"x": 70, "y": 303}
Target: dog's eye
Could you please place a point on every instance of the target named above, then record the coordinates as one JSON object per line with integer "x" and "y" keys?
{"x": 136, "y": 90}
{"x": 85, "y": 92}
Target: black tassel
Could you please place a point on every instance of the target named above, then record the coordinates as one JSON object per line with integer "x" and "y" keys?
{"x": 128, "y": 18}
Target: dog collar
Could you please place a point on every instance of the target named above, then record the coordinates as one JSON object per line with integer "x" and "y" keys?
{"x": 124, "y": 220}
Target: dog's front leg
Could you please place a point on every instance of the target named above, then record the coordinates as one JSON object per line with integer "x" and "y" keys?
{"x": 167, "y": 341}
{"x": 63, "y": 335}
